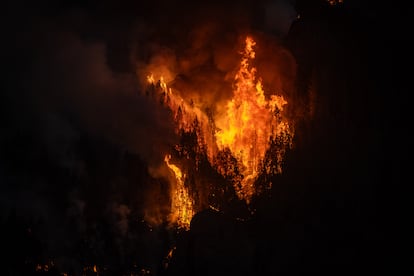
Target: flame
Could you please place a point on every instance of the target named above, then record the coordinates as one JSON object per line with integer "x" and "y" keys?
{"x": 248, "y": 137}
{"x": 250, "y": 123}
{"x": 182, "y": 204}
{"x": 168, "y": 258}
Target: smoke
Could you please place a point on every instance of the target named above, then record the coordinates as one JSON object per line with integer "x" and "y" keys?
{"x": 77, "y": 110}
{"x": 68, "y": 106}
{"x": 120, "y": 215}
{"x": 75, "y": 79}
{"x": 202, "y": 66}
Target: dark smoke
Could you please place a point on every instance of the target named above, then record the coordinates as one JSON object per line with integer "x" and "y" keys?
{"x": 79, "y": 135}
{"x": 80, "y": 142}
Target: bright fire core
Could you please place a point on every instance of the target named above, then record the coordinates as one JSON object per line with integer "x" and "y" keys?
{"x": 248, "y": 127}
{"x": 250, "y": 123}
{"x": 182, "y": 203}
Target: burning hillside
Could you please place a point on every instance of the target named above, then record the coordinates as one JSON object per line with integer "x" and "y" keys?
{"x": 236, "y": 139}
{"x": 196, "y": 138}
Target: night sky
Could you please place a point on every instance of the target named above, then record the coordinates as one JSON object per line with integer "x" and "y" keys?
{"x": 77, "y": 139}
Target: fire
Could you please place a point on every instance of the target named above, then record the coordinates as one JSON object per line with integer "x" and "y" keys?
{"x": 245, "y": 139}
{"x": 182, "y": 204}
{"x": 334, "y": 2}
{"x": 250, "y": 123}
{"x": 184, "y": 113}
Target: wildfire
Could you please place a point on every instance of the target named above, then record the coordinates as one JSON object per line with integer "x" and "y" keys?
{"x": 250, "y": 123}
{"x": 182, "y": 204}
{"x": 248, "y": 137}
{"x": 185, "y": 113}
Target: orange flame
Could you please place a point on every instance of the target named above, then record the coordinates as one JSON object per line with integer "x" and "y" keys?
{"x": 182, "y": 204}
{"x": 249, "y": 124}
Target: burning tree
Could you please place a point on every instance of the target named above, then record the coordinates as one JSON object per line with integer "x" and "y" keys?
{"x": 249, "y": 137}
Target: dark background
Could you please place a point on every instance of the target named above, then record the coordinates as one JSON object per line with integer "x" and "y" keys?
{"x": 73, "y": 191}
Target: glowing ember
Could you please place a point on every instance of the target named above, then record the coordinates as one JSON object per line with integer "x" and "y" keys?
{"x": 182, "y": 204}
{"x": 334, "y": 2}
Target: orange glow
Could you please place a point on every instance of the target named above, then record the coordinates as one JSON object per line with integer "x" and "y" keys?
{"x": 236, "y": 139}
{"x": 168, "y": 258}
{"x": 334, "y": 2}
{"x": 250, "y": 123}
{"x": 182, "y": 204}
{"x": 150, "y": 79}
